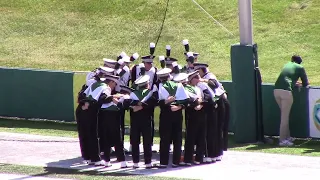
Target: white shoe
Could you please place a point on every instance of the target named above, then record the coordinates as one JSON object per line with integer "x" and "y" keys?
{"x": 214, "y": 159}
{"x": 108, "y": 164}
{"x": 196, "y": 162}
{"x": 135, "y": 165}
{"x": 291, "y": 139}
{"x": 87, "y": 161}
{"x": 286, "y": 143}
{"x": 148, "y": 165}
{"x": 207, "y": 160}
{"x": 100, "y": 163}
{"x": 219, "y": 158}
{"x": 124, "y": 164}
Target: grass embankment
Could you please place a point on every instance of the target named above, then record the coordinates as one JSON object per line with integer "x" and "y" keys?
{"x": 76, "y": 35}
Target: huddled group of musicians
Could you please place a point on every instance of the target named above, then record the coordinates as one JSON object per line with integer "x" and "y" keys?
{"x": 117, "y": 87}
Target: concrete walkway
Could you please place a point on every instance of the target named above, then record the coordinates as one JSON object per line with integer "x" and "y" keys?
{"x": 45, "y": 151}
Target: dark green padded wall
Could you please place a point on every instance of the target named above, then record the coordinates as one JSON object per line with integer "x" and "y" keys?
{"x": 28, "y": 93}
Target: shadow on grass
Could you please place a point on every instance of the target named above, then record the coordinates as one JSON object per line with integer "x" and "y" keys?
{"x": 301, "y": 146}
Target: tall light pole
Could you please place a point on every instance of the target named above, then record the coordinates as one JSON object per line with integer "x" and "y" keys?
{"x": 245, "y": 80}
{"x": 245, "y": 22}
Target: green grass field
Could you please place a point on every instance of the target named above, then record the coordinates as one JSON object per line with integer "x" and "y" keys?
{"x": 76, "y": 35}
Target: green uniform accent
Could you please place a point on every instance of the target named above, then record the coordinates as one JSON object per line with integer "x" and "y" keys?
{"x": 172, "y": 87}
{"x": 190, "y": 88}
{"x": 95, "y": 86}
{"x": 141, "y": 93}
{"x": 289, "y": 75}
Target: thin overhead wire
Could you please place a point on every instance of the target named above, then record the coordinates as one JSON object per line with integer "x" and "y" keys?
{"x": 217, "y": 22}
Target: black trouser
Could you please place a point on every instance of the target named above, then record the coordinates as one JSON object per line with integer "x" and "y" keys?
{"x": 141, "y": 124}
{"x": 186, "y": 117}
{"x": 225, "y": 123}
{"x": 122, "y": 114}
{"x": 170, "y": 130}
{"x": 221, "y": 118}
{"x": 87, "y": 130}
{"x": 212, "y": 132}
{"x": 152, "y": 124}
{"x": 195, "y": 135}
{"x": 111, "y": 134}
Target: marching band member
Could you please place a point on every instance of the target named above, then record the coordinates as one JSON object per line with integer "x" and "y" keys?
{"x": 215, "y": 86}
{"x": 102, "y": 72}
{"x": 196, "y": 118}
{"x": 222, "y": 102}
{"x": 142, "y": 105}
{"x": 147, "y": 68}
{"x": 110, "y": 124}
{"x": 171, "y": 63}
{"x": 189, "y": 67}
{"x": 210, "y": 108}
{"x": 86, "y": 114}
{"x": 133, "y": 58}
{"x": 123, "y": 71}
{"x": 162, "y": 62}
{"x": 172, "y": 98}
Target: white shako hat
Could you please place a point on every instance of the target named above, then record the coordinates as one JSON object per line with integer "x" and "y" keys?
{"x": 111, "y": 78}
{"x": 106, "y": 70}
{"x": 109, "y": 62}
{"x": 142, "y": 80}
{"x": 164, "y": 72}
{"x": 200, "y": 65}
{"x": 193, "y": 74}
{"x": 181, "y": 77}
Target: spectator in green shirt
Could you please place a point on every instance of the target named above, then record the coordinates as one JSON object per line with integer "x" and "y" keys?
{"x": 287, "y": 79}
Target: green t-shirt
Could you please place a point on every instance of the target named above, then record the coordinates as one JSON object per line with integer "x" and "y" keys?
{"x": 289, "y": 75}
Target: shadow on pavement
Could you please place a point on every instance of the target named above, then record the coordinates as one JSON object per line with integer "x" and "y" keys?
{"x": 76, "y": 166}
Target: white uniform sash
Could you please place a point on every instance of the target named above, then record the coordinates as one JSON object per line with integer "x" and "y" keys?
{"x": 121, "y": 100}
{"x": 107, "y": 105}
{"x": 219, "y": 90}
{"x": 203, "y": 86}
{"x": 124, "y": 79}
{"x": 180, "y": 94}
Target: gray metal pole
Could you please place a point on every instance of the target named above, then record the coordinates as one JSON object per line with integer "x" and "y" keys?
{"x": 245, "y": 22}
